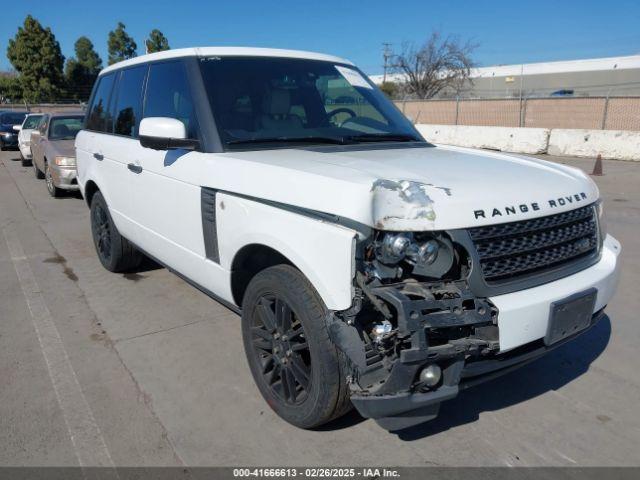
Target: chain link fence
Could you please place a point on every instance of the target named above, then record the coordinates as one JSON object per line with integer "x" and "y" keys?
{"x": 606, "y": 113}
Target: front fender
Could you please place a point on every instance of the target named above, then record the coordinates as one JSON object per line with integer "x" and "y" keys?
{"x": 322, "y": 251}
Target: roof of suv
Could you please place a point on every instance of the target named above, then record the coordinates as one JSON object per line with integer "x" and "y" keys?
{"x": 222, "y": 52}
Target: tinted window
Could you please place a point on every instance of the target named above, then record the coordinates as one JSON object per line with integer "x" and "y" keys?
{"x": 65, "y": 128}
{"x": 32, "y": 122}
{"x": 12, "y": 118}
{"x": 168, "y": 95}
{"x": 128, "y": 106}
{"x": 286, "y": 101}
{"x": 98, "y": 117}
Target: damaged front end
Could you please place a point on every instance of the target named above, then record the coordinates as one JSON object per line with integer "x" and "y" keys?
{"x": 413, "y": 326}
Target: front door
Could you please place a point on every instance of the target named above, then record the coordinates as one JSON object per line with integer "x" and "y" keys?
{"x": 165, "y": 188}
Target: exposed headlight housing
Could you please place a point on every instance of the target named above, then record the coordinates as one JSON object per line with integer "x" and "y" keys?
{"x": 426, "y": 254}
{"x": 65, "y": 161}
{"x": 393, "y": 248}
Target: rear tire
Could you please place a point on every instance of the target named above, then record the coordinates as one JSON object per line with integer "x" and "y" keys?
{"x": 115, "y": 252}
{"x": 25, "y": 162}
{"x": 298, "y": 370}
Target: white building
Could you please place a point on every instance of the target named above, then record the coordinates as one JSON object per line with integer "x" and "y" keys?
{"x": 616, "y": 76}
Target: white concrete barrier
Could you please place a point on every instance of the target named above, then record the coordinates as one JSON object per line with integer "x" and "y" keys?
{"x": 612, "y": 144}
{"x": 520, "y": 140}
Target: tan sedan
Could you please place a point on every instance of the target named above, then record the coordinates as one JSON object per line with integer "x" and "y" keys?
{"x": 52, "y": 148}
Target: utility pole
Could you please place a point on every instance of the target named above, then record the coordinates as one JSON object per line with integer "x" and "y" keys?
{"x": 386, "y": 54}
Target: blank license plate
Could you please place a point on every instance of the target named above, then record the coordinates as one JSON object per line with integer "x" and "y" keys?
{"x": 571, "y": 315}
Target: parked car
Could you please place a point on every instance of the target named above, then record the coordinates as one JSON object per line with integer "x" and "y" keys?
{"x": 53, "y": 152}
{"x": 30, "y": 123}
{"x": 369, "y": 266}
{"x": 8, "y": 133}
{"x": 562, "y": 93}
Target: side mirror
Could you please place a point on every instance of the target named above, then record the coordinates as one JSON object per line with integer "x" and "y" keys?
{"x": 164, "y": 133}
{"x": 17, "y": 128}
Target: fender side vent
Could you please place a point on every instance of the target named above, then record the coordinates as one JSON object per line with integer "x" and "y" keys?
{"x": 209, "y": 227}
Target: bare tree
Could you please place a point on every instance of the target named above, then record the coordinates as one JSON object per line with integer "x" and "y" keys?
{"x": 439, "y": 63}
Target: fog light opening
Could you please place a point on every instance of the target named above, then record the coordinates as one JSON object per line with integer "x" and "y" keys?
{"x": 430, "y": 376}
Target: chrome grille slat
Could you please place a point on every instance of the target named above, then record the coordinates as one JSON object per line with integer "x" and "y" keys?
{"x": 512, "y": 250}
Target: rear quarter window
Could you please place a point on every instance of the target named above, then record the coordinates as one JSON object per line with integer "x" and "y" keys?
{"x": 98, "y": 117}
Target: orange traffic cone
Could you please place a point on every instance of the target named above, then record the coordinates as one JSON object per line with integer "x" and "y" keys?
{"x": 597, "y": 168}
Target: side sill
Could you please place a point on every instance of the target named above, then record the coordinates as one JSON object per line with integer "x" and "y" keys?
{"x": 207, "y": 292}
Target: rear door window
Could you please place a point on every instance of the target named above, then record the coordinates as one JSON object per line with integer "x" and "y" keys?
{"x": 99, "y": 119}
{"x": 168, "y": 95}
{"x": 128, "y": 104}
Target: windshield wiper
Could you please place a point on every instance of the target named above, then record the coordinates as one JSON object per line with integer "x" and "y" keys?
{"x": 330, "y": 140}
{"x": 383, "y": 137}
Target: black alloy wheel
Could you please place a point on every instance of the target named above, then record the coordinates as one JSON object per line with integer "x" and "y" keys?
{"x": 116, "y": 253}
{"x": 279, "y": 342}
{"x": 298, "y": 369}
{"x": 101, "y": 228}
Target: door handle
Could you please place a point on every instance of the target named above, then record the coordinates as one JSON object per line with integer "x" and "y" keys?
{"x": 98, "y": 156}
{"x": 134, "y": 168}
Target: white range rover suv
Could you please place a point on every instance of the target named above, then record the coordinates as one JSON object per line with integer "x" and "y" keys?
{"x": 370, "y": 267}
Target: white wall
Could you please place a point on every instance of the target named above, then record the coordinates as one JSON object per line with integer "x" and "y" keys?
{"x": 611, "y": 144}
{"x": 520, "y": 140}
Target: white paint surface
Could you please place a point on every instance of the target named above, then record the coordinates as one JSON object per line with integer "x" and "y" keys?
{"x": 523, "y": 316}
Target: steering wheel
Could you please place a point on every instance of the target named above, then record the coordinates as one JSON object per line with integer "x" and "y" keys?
{"x": 341, "y": 110}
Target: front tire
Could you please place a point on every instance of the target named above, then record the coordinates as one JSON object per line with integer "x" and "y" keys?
{"x": 54, "y": 191}
{"x": 298, "y": 370}
{"x": 36, "y": 171}
{"x": 115, "y": 252}
{"x": 25, "y": 162}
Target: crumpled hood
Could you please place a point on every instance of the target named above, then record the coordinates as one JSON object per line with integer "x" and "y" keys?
{"x": 412, "y": 189}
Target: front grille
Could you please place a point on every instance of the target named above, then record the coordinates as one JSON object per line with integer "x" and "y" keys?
{"x": 512, "y": 250}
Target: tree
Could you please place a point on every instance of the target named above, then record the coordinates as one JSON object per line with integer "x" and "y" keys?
{"x": 10, "y": 88}
{"x": 81, "y": 72}
{"x": 157, "y": 42}
{"x": 121, "y": 45}
{"x": 35, "y": 54}
{"x": 390, "y": 89}
{"x": 439, "y": 63}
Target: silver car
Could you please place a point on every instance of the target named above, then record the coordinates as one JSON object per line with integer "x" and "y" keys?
{"x": 53, "y": 153}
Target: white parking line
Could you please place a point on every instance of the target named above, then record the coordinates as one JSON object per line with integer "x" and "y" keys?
{"x": 89, "y": 445}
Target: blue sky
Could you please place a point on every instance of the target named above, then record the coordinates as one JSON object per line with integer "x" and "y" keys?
{"x": 507, "y": 31}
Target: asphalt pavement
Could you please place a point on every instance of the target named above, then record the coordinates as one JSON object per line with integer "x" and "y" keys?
{"x": 142, "y": 369}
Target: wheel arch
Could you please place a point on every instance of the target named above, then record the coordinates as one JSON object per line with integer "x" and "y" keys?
{"x": 250, "y": 260}
{"x": 90, "y": 189}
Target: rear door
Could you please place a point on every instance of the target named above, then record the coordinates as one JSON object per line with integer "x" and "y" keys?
{"x": 120, "y": 150}
{"x": 106, "y": 144}
{"x": 90, "y": 141}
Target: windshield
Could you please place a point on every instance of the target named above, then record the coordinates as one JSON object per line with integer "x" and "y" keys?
{"x": 270, "y": 102}
{"x": 31, "y": 122}
{"x": 12, "y": 118}
{"x": 65, "y": 128}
